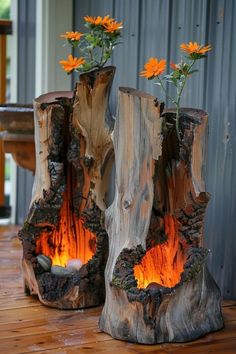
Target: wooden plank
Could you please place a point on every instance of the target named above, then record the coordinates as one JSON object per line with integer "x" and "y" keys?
{"x": 73, "y": 321}
{"x": 37, "y": 327}
{"x": 9, "y": 303}
{"x": 118, "y": 347}
{"x": 26, "y": 326}
{"x": 229, "y": 313}
{"x": 32, "y": 313}
{"x": 227, "y": 303}
{"x": 68, "y": 338}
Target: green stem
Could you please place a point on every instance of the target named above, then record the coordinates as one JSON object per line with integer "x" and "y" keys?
{"x": 177, "y": 122}
{"x": 165, "y": 91}
{"x": 184, "y": 82}
{"x": 101, "y": 64}
{"x": 90, "y": 52}
{"x": 177, "y": 103}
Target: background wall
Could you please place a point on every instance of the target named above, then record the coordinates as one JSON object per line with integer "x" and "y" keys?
{"x": 25, "y": 91}
{"x": 157, "y": 28}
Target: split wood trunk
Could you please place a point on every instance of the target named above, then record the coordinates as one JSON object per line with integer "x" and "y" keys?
{"x": 65, "y": 246}
{"x": 158, "y": 288}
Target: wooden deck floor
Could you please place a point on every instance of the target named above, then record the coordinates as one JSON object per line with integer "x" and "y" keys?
{"x": 26, "y": 326}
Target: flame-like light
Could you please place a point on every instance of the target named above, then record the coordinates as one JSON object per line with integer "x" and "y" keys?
{"x": 164, "y": 263}
{"x": 70, "y": 240}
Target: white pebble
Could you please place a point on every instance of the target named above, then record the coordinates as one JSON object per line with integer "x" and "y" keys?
{"x": 74, "y": 264}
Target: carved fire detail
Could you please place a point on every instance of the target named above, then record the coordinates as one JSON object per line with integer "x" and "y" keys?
{"x": 157, "y": 282}
{"x": 70, "y": 240}
{"x": 163, "y": 264}
{"x": 65, "y": 245}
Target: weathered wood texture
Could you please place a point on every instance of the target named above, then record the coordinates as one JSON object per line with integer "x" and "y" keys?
{"x": 74, "y": 151}
{"x": 26, "y": 326}
{"x": 158, "y": 288}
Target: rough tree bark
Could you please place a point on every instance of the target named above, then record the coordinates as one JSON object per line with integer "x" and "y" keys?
{"x": 158, "y": 288}
{"x": 74, "y": 153}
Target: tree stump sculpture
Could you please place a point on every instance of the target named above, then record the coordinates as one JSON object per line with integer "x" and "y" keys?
{"x": 65, "y": 245}
{"x": 158, "y": 288}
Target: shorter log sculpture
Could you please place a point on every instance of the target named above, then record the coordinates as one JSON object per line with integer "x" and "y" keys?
{"x": 158, "y": 288}
{"x": 65, "y": 246}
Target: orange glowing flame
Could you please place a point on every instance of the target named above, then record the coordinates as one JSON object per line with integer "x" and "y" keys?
{"x": 164, "y": 263}
{"x": 70, "y": 240}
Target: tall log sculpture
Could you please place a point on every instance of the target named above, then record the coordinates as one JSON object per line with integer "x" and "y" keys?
{"x": 158, "y": 288}
{"x": 65, "y": 245}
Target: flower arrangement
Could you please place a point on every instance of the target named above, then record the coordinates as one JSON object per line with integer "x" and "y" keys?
{"x": 179, "y": 75}
{"x": 95, "y": 46}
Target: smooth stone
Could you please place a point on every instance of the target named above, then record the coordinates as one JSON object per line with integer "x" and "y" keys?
{"x": 74, "y": 264}
{"x": 154, "y": 286}
{"x": 44, "y": 261}
{"x": 61, "y": 271}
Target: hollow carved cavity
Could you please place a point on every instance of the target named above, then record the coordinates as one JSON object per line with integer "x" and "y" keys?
{"x": 164, "y": 263}
{"x": 69, "y": 240}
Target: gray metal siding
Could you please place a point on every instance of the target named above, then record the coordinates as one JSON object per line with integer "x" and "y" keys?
{"x": 220, "y": 93}
{"x": 26, "y": 85}
{"x": 156, "y": 28}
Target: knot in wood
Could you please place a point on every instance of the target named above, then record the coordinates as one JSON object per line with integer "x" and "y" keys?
{"x": 127, "y": 203}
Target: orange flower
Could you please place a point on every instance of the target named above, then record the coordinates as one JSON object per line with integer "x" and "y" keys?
{"x": 112, "y": 26}
{"x": 73, "y": 36}
{"x": 89, "y": 19}
{"x": 107, "y": 19}
{"x": 98, "y": 20}
{"x": 153, "y": 68}
{"x": 72, "y": 63}
{"x": 192, "y": 48}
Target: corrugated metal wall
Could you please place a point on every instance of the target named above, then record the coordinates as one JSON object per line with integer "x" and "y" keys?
{"x": 25, "y": 92}
{"x": 157, "y": 28}
{"x": 220, "y": 102}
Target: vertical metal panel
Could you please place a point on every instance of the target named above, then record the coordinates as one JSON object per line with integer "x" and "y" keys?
{"x": 26, "y": 86}
{"x": 188, "y": 23}
{"x": 25, "y": 181}
{"x": 125, "y": 57}
{"x": 153, "y": 42}
{"x": 221, "y": 105}
{"x": 26, "y": 50}
{"x": 102, "y": 7}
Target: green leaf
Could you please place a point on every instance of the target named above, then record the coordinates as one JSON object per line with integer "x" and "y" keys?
{"x": 174, "y": 81}
{"x": 107, "y": 55}
{"x": 196, "y": 56}
{"x": 185, "y": 67}
{"x": 86, "y": 66}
